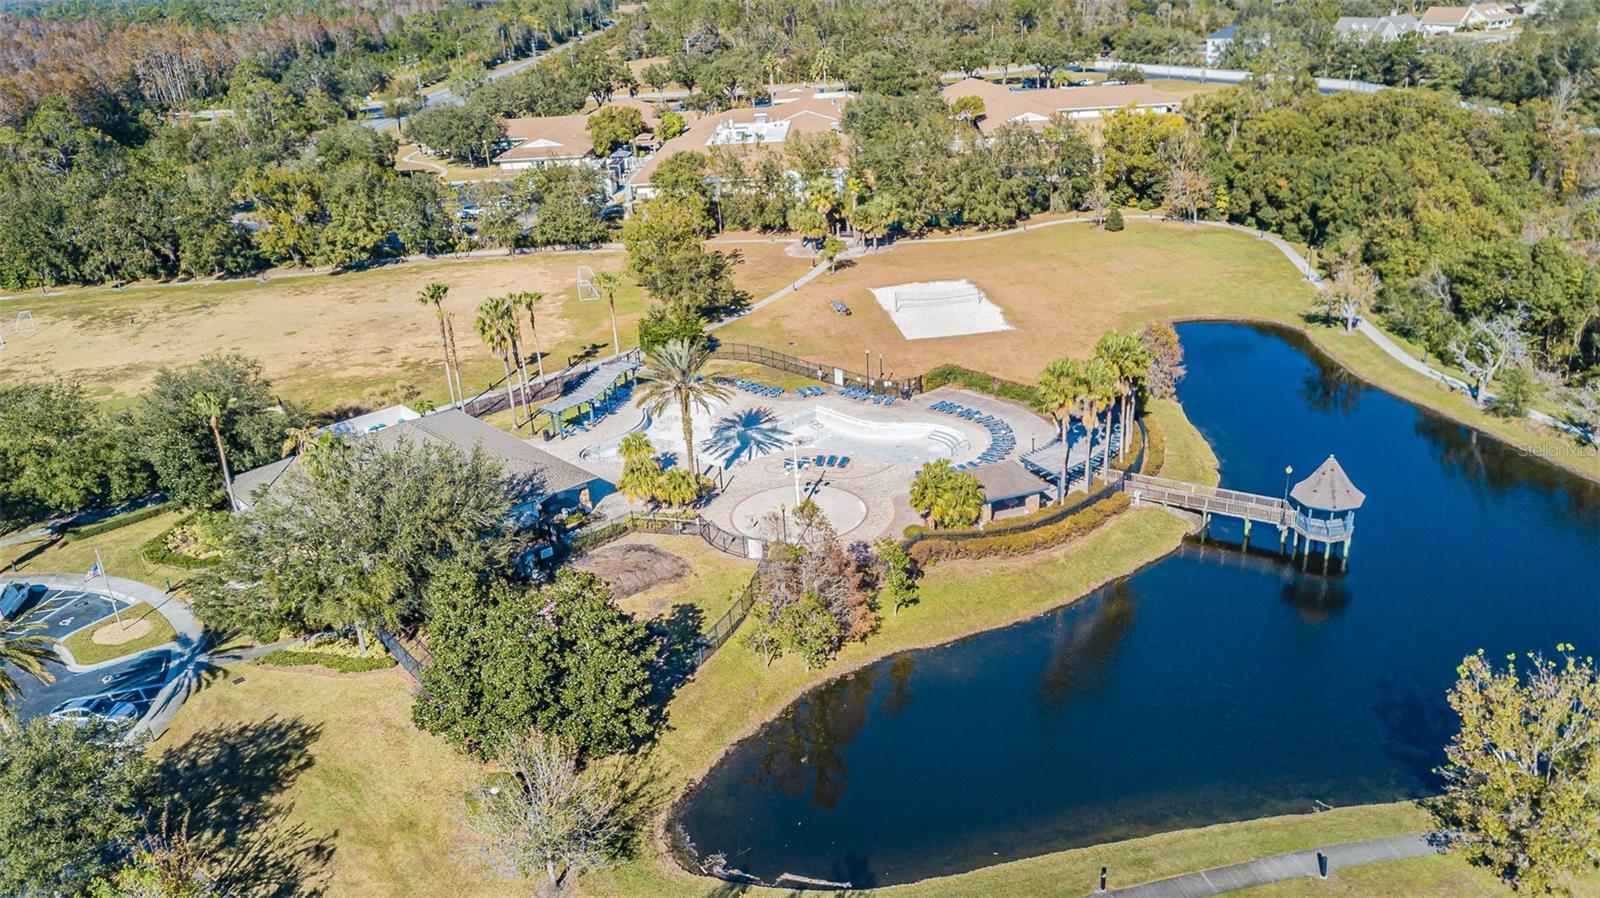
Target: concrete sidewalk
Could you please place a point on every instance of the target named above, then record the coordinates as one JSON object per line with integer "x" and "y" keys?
{"x": 1221, "y": 880}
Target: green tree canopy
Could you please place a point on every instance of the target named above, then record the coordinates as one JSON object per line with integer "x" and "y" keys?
{"x": 352, "y": 534}
{"x": 562, "y": 659}
{"x": 177, "y": 438}
{"x": 71, "y": 802}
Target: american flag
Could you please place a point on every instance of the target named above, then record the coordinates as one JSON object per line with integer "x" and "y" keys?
{"x": 93, "y": 572}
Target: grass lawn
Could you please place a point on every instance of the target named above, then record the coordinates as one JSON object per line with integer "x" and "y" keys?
{"x": 1425, "y": 877}
{"x": 1064, "y": 286}
{"x": 1061, "y": 287}
{"x": 332, "y": 340}
{"x": 715, "y": 578}
{"x": 85, "y": 650}
{"x": 380, "y": 803}
{"x": 119, "y": 548}
{"x": 1188, "y": 455}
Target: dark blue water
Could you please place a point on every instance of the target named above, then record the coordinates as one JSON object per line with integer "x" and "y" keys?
{"x": 1210, "y": 686}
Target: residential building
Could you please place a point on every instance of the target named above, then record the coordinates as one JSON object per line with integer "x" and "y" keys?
{"x": 1384, "y": 28}
{"x": 794, "y": 110}
{"x": 1218, "y": 42}
{"x": 541, "y": 483}
{"x": 1035, "y": 108}
{"x": 1476, "y": 17}
{"x": 546, "y": 140}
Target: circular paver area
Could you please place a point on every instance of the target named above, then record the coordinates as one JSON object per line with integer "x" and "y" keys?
{"x": 844, "y": 509}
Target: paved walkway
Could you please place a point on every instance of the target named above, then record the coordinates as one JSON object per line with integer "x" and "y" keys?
{"x": 1221, "y": 880}
{"x": 188, "y": 645}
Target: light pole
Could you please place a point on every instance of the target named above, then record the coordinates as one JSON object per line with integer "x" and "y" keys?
{"x": 794, "y": 450}
{"x": 1287, "y": 470}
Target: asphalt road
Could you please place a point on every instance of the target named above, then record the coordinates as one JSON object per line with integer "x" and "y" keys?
{"x": 64, "y": 611}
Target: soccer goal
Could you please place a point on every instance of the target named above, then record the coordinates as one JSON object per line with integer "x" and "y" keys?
{"x": 23, "y": 323}
{"x": 587, "y": 288}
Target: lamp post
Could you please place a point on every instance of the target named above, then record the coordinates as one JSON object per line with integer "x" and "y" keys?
{"x": 794, "y": 450}
{"x": 1287, "y": 470}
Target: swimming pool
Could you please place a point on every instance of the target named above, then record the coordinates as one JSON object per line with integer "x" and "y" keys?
{"x": 727, "y": 438}
{"x": 832, "y": 432}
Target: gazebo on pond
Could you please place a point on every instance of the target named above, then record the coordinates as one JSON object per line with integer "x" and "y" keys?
{"x": 1324, "y": 507}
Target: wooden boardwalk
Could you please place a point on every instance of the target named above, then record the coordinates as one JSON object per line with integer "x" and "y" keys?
{"x": 1252, "y": 508}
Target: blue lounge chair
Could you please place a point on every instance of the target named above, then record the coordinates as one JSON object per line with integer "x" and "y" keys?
{"x": 833, "y": 460}
{"x": 819, "y": 461}
{"x": 844, "y": 462}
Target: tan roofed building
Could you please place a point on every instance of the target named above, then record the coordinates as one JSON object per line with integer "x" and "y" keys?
{"x": 794, "y": 110}
{"x": 1003, "y": 106}
{"x": 1476, "y": 17}
{"x": 546, "y": 140}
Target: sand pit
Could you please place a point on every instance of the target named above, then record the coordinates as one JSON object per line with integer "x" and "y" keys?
{"x": 115, "y": 634}
{"x": 928, "y": 309}
{"x": 633, "y": 568}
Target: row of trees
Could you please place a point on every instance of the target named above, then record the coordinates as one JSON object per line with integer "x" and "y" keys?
{"x": 63, "y": 453}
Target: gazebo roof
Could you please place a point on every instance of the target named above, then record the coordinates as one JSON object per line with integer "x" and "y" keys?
{"x": 1328, "y": 489}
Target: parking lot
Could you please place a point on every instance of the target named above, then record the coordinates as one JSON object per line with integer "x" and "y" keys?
{"x": 135, "y": 680}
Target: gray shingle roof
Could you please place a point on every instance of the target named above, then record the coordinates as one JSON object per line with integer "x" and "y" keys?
{"x": 1007, "y": 480}
{"x": 543, "y": 472}
{"x": 1328, "y": 489}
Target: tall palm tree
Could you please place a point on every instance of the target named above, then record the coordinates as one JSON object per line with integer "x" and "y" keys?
{"x": 493, "y": 324}
{"x": 519, "y": 365}
{"x": 211, "y": 406}
{"x": 527, "y": 300}
{"x": 1130, "y": 363}
{"x": 1060, "y": 394}
{"x": 608, "y": 282}
{"x": 27, "y": 652}
{"x": 672, "y": 373}
{"x": 433, "y": 295}
{"x": 1099, "y": 393}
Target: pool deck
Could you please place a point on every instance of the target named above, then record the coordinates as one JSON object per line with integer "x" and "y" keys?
{"x": 883, "y": 487}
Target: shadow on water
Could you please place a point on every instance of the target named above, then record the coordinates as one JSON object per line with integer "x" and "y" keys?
{"x": 743, "y": 435}
{"x": 1416, "y": 726}
{"x": 1083, "y": 643}
{"x": 804, "y": 752}
{"x": 232, "y": 780}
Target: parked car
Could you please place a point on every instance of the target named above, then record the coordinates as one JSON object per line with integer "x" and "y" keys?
{"x": 18, "y": 597}
{"x": 101, "y": 708}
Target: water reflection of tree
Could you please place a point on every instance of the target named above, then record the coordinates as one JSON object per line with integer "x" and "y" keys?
{"x": 1085, "y": 639}
{"x": 805, "y": 746}
{"x": 1417, "y": 723}
{"x": 1491, "y": 467}
{"x": 900, "y": 671}
{"x": 1329, "y": 388}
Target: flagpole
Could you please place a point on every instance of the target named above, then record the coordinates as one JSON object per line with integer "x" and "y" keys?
{"x": 116, "y": 608}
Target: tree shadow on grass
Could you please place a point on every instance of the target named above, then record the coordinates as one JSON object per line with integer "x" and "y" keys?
{"x": 227, "y": 785}
{"x": 677, "y": 633}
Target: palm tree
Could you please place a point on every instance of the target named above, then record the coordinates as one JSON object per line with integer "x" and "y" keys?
{"x": 672, "y": 372}
{"x": 1099, "y": 393}
{"x": 526, "y": 301}
{"x": 27, "y": 652}
{"x": 1130, "y": 363}
{"x": 433, "y": 295}
{"x": 211, "y": 407}
{"x": 608, "y": 283}
{"x": 519, "y": 363}
{"x": 1060, "y": 394}
{"x": 944, "y": 496}
{"x": 494, "y": 324}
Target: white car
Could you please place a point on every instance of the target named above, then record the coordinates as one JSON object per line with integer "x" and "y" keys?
{"x": 82, "y": 711}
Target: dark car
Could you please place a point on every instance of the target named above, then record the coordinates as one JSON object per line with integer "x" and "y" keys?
{"x": 18, "y": 597}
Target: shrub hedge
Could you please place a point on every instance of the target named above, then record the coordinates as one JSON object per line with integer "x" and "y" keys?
{"x": 931, "y": 551}
{"x": 340, "y": 663}
{"x": 157, "y": 551}
{"x": 118, "y": 522}
{"x": 978, "y": 382}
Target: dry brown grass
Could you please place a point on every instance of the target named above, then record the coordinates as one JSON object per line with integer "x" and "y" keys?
{"x": 1061, "y": 287}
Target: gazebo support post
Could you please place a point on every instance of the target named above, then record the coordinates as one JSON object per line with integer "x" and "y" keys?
{"x": 1247, "y": 534}
{"x": 1283, "y": 539}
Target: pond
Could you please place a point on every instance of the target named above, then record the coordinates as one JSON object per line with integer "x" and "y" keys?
{"x": 1211, "y": 686}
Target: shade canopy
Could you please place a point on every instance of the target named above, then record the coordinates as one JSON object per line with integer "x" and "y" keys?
{"x": 1328, "y": 489}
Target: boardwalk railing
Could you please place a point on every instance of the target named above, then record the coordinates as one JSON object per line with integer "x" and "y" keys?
{"x": 493, "y": 398}
{"x": 831, "y": 374}
{"x": 1210, "y": 499}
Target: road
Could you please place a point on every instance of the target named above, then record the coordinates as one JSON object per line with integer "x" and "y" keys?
{"x": 444, "y": 96}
